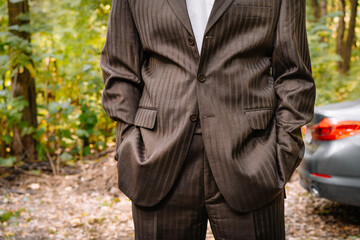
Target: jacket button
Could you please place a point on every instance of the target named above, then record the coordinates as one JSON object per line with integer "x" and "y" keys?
{"x": 191, "y": 41}
{"x": 193, "y": 117}
{"x": 201, "y": 78}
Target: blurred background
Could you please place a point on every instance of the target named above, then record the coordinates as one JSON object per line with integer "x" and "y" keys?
{"x": 50, "y": 80}
{"x": 54, "y": 132}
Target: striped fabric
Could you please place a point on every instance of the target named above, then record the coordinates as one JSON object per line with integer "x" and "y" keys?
{"x": 194, "y": 198}
{"x": 251, "y": 90}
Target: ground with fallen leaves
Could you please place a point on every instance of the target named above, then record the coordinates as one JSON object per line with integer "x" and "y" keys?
{"x": 88, "y": 205}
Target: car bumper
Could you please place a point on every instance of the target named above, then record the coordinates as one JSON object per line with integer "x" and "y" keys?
{"x": 337, "y": 188}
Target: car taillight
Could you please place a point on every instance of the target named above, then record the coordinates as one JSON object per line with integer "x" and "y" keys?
{"x": 321, "y": 175}
{"x": 303, "y": 129}
{"x": 329, "y": 129}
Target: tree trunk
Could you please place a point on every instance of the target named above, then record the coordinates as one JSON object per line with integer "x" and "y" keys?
{"x": 323, "y": 8}
{"x": 316, "y": 9}
{"x": 320, "y": 13}
{"x": 3, "y": 123}
{"x": 23, "y": 84}
{"x": 350, "y": 37}
{"x": 340, "y": 34}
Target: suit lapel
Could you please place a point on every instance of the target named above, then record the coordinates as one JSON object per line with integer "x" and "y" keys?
{"x": 218, "y": 9}
{"x": 180, "y": 10}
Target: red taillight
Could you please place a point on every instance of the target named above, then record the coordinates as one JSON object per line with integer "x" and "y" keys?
{"x": 329, "y": 129}
{"x": 321, "y": 175}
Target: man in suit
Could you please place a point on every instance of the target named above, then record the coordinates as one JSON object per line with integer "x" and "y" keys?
{"x": 209, "y": 99}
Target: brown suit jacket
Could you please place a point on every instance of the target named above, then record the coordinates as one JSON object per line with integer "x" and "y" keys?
{"x": 251, "y": 89}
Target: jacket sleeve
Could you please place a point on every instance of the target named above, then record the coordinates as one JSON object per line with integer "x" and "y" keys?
{"x": 121, "y": 60}
{"x": 294, "y": 84}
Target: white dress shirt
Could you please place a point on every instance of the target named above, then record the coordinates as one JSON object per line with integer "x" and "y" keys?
{"x": 199, "y": 12}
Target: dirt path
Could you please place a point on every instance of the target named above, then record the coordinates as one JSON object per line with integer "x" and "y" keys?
{"x": 89, "y": 206}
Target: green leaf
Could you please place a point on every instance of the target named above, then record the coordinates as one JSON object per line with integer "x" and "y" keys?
{"x": 7, "y": 139}
{"x": 14, "y": 27}
{"x": 86, "y": 151}
{"x": 65, "y": 133}
{"x": 3, "y": 33}
{"x": 4, "y": 58}
{"x": 86, "y": 67}
{"x": 24, "y": 16}
{"x": 88, "y": 118}
{"x": 54, "y": 107}
{"x": 65, "y": 105}
{"x": 7, "y": 162}
{"x": 5, "y": 215}
{"x": 52, "y": 138}
{"x": 66, "y": 156}
{"x": 35, "y": 171}
{"x": 81, "y": 133}
{"x": 25, "y": 28}
{"x": 27, "y": 131}
{"x": 31, "y": 69}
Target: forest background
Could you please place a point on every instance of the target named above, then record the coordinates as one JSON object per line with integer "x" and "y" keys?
{"x": 51, "y": 83}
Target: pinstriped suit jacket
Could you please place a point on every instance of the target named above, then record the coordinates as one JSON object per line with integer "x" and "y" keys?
{"x": 255, "y": 93}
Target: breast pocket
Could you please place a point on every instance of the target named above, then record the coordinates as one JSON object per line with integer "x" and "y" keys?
{"x": 145, "y": 118}
{"x": 259, "y": 119}
{"x": 254, "y": 11}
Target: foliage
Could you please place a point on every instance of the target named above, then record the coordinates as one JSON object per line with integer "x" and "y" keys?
{"x": 6, "y": 215}
{"x": 331, "y": 86}
{"x": 67, "y": 37}
{"x": 10, "y": 115}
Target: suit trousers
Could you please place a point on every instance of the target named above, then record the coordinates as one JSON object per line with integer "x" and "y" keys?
{"x": 195, "y": 198}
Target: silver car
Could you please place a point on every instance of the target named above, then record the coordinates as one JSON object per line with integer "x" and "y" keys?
{"x": 331, "y": 166}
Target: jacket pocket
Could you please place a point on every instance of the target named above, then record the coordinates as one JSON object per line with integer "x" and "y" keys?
{"x": 259, "y": 118}
{"x": 253, "y": 11}
{"x": 146, "y": 118}
{"x": 289, "y": 151}
{"x": 122, "y": 131}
